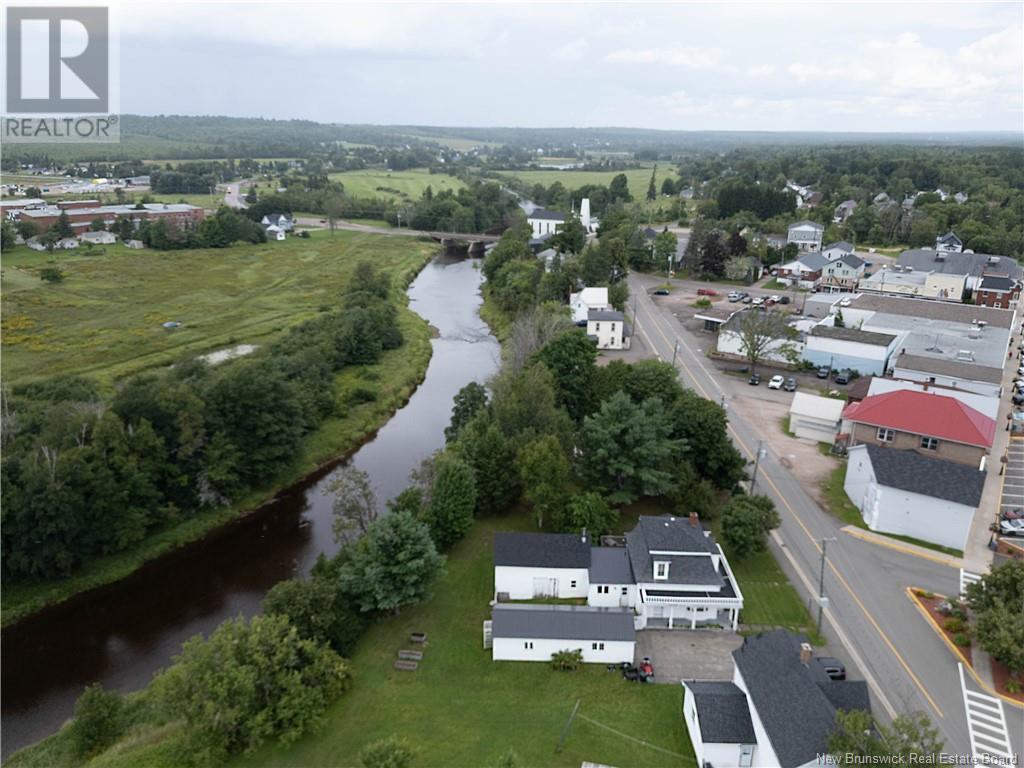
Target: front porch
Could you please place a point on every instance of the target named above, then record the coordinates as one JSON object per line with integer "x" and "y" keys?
{"x": 664, "y": 610}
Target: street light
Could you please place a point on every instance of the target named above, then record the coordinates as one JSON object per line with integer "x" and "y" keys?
{"x": 761, "y": 453}
{"x": 821, "y": 580}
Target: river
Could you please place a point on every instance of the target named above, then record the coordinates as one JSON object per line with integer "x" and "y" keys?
{"x": 123, "y": 633}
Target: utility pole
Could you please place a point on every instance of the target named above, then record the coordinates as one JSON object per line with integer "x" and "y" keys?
{"x": 757, "y": 461}
{"x": 675, "y": 349}
{"x": 821, "y": 580}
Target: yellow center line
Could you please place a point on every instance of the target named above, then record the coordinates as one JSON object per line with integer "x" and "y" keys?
{"x": 810, "y": 536}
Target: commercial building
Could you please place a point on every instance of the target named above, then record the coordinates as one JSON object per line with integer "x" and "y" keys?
{"x": 177, "y": 215}
{"x": 906, "y": 281}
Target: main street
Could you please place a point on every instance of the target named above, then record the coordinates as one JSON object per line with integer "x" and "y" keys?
{"x": 869, "y": 620}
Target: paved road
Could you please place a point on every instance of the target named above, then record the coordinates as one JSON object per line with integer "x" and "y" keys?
{"x": 906, "y": 664}
{"x": 233, "y": 196}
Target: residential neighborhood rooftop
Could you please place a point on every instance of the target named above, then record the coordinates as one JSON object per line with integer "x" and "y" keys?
{"x": 946, "y": 367}
{"x": 722, "y": 712}
{"x": 604, "y": 314}
{"x": 952, "y": 263}
{"x": 610, "y": 565}
{"x": 924, "y": 413}
{"x": 544, "y": 213}
{"x": 926, "y": 475}
{"x": 854, "y": 334}
{"x": 562, "y": 622}
{"x": 545, "y": 550}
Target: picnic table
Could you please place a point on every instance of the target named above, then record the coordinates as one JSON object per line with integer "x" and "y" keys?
{"x": 411, "y": 655}
{"x": 406, "y": 666}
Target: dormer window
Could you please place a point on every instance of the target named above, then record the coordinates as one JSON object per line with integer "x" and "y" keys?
{"x": 661, "y": 570}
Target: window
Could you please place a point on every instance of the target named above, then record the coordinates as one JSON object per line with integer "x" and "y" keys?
{"x": 602, "y": 590}
{"x": 660, "y": 570}
{"x": 886, "y": 435}
{"x": 930, "y": 443}
{"x": 572, "y": 584}
{"x": 597, "y": 326}
{"x": 613, "y": 327}
{"x": 528, "y": 645}
{"x": 597, "y": 646}
{"x": 625, "y": 590}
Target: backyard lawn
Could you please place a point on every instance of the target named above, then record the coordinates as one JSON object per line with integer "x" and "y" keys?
{"x": 399, "y": 185}
{"x": 105, "y": 318}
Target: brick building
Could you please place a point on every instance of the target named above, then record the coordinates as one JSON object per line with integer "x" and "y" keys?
{"x": 998, "y": 291}
{"x": 81, "y": 213}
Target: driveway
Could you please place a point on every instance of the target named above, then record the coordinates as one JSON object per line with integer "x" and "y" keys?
{"x": 684, "y": 654}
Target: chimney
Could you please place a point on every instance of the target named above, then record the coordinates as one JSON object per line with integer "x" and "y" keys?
{"x": 583, "y": 536}
{"x": 694, "y": 519}
{"x": 805, "y": 653}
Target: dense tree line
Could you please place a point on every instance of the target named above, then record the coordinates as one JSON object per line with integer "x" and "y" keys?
{"x": 86, "y": 476}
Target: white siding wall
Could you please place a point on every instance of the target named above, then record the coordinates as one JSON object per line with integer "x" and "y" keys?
{"x": 615, "y": 597}
{"x": 864, "y": 358}
{"x": 811, "y": 428}
{"x": 731, "y": 343}
{"x": 520, "y": 584}
{"x": 515, "y": 649}
{"x": 763, "y": 752}
{"x": 609, "y": 333}
{"x": 544, "y": 226}
{"x": 979, "y": 387}
{"x": 891, "y": 510}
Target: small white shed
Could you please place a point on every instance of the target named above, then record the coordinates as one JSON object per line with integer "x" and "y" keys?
{"x": 534, "y": 632}
{"x": 815, "y": 418}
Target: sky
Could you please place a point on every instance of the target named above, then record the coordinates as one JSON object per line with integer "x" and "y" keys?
{"x": 887, "y": 66}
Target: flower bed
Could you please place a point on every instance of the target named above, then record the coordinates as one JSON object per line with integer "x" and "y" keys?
{"x": 930, "y": 603}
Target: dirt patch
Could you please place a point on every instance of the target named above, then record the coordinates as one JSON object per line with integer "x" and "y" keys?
{"x": 1001, "y": 676}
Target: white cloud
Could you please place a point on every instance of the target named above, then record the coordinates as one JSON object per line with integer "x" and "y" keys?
{"x": 686, "y": 58}
{"x": 999, "y": 53}
{"x": 761, "y": 70}
{"x": 572, "y": 51}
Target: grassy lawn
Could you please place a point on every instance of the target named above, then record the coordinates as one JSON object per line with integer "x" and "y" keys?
{"x": 378, "y": 182}
{"x": 104, "y": 319}
{"x": 638, "y": 178}
{"x": 839, "y": 504}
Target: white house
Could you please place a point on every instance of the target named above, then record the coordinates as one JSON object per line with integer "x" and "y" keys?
{"x": 607, "y": 328}
{"x": 907, "y": 493}
{"x": 835, "y": 251}
{"x": 778, "y": 710}
{"x": 534, "y": 633}
{"x": 671, "y": 573}
{"x": 135, "y": 244}
{"x": 843, "y": 211}
{"x": 545, "y": 222}
{"x": 66, "y": 243}
{"x": 806, "y": 235}
{"x": 274, "y": 232}
{"x": 281, "y": 220}
{"x": 806, "y": 270}
{"x": 98, "y": 238}
{"x": 949, "y": 243}
{"x": 589, "y": 298}
{"x": 989, "y": 406}
{"x": 866, "y": 352}
{"x": 842, "y": 274}
{"x": 815, "y": 418}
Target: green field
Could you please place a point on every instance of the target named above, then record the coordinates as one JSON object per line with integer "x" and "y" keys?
{"x": 104, "y": 319}
{"x": 380, "y": 183}
{"x": 638, "y": 178}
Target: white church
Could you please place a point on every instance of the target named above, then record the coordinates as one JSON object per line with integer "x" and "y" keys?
{"x": 544, "y": 222}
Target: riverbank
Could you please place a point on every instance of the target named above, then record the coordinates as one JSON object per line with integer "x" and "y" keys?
{"x": 395, "y": 378}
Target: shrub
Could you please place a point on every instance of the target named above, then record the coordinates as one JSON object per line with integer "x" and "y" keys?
{"x": 567, "y": 661}
{"x": 361, "y": 395}
{"x": 962, "y": 639}
{"x": 954, "y": 625}
{"x": 1013, "y": 686}
{"x": 390, "y": 752}
{"x": 51, "y": 274}
{"x": 99, "y": 721}
{"x": 702, "y": 303}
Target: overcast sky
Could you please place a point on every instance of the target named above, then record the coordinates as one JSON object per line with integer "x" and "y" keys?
{"x": 846, "y": 66}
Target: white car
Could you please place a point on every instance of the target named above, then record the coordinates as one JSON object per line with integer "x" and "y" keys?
{"x": 776, "y": 382}
{"x": 845, "y": 302}
{"x": 776, "y": 298}
{"x": 1012, "y": 527}
{"x": 758, "y": 301}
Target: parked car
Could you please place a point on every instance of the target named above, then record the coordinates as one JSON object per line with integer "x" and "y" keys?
{"x": 784, "y": 300}
{"x": 707, "y": 292}
{"x": 661, "y": 292}
{"x": 758, "y": 301}
{"x": 754, "y": 380}
{"x": 776, "y": 382}
{"x": 790, "y": 385}
{"x": 834, "y": 668}
{"x": 845, "y": 302}
{"x": 823, "y": 372}
{"x": 1011, "y": 527}
{"x": 869, "y": 264}
{"x": 747, "y": 299}
{"x": 734, "y": 297}
{"x": 1014, "y": 514}
{"x": 775, "y": 298}
{"x": 844, "y": 376}
{"x": 1018, "y": 398}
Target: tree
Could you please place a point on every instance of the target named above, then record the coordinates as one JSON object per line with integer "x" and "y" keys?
{"x": 515, "y": 285}
{"x": 737, "y": 245}
{"x": 250, "y": 682}
{"x": 525, "y": 406}
{"x": 761, "y": 332}
{"x": 618, "y": 190}
{"x": 251, "y": 197}
{"x": 590, "y": 512}
{"x": 99, "y": 721}
{"x": 97, "y": 225}
{"x": 713, "y": 255}
{"x": 392, "y": 565}
{"x": 319, "y": 610}
{"x": 490, "y": 453}
{"x": 26, "y": 229}
{"x": 665, "y": 246}
{"x": 997, "y": 602}
{"x": 746, "y": 521}
{"x": 571, "y": 237}
{"x": 544, "y": 470}
{"x": 468, "y": 402}
{"x": 911, "y": 738}
{"x": 7, "y": 235}
{"x": 653, "y": 378}
{"x": 626, "y": 449}
{"x": 532, "y": 331}
{"x": 449, "y": 513}
{"x": 390, "y": 752}
{"x": 692, "y": 494}
{"x": 652, "y": 188}
{"x": 570, "y": 358}
{"x": 334, "y": 208}
{"x": 355, "y": 504}
{"x": 702, "y": 424}
{"x": 62, "y": 227}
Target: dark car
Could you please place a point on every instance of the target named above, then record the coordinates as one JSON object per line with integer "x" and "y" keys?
{"x": 1018, "y": 398}
{"x": 844, "y": 376}
{"x": 661, "y": 292}
{"x": 784, "y": 300}
{"x": 790, "y": 385}
{"x": 834, "y": 668}
{"x": 823, "y": 372}
{"x": 754, "y": 380}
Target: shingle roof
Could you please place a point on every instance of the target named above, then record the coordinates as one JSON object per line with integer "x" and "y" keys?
{"x": 610, "y": 565}
{"x": 854, "y": 261}
{"x": 541, "y": 550}
{"x": 996, "y": 283}
{"x": 796, "y": 713}
{"x": 813, "y": 261}
{"x": 603, "y": 314}
{"x": 853, "y": 334}
{"x": 927, "y": 476}
{"x": 806, "y": 223}
{"x": 950, "y": 237}
{"x": 924, "y": 413}
{"x": 543, "y": 213}
{"x": 842, "y": 245}
{"x": 672, "y": 534}
{"x": 562, "y": 622}
{"x": 722, "y": 712}
{"x": 943, "y": 367}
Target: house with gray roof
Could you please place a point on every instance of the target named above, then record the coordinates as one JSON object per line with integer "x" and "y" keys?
{"x": 779, "y": 709}
{"x": 907, "y": 493}
{"x": 521, "y": 632}
{"x": 545, "y": 222}
{"x": 834, "y": 251}
{"x": 974, "y": 265}
{"x": 669, "y": 574}
{"x": 806, "y": 270}
{"x": 806, "y": 235}
{"x": 843, "y": 211}
{"x": 949, "y": 243}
